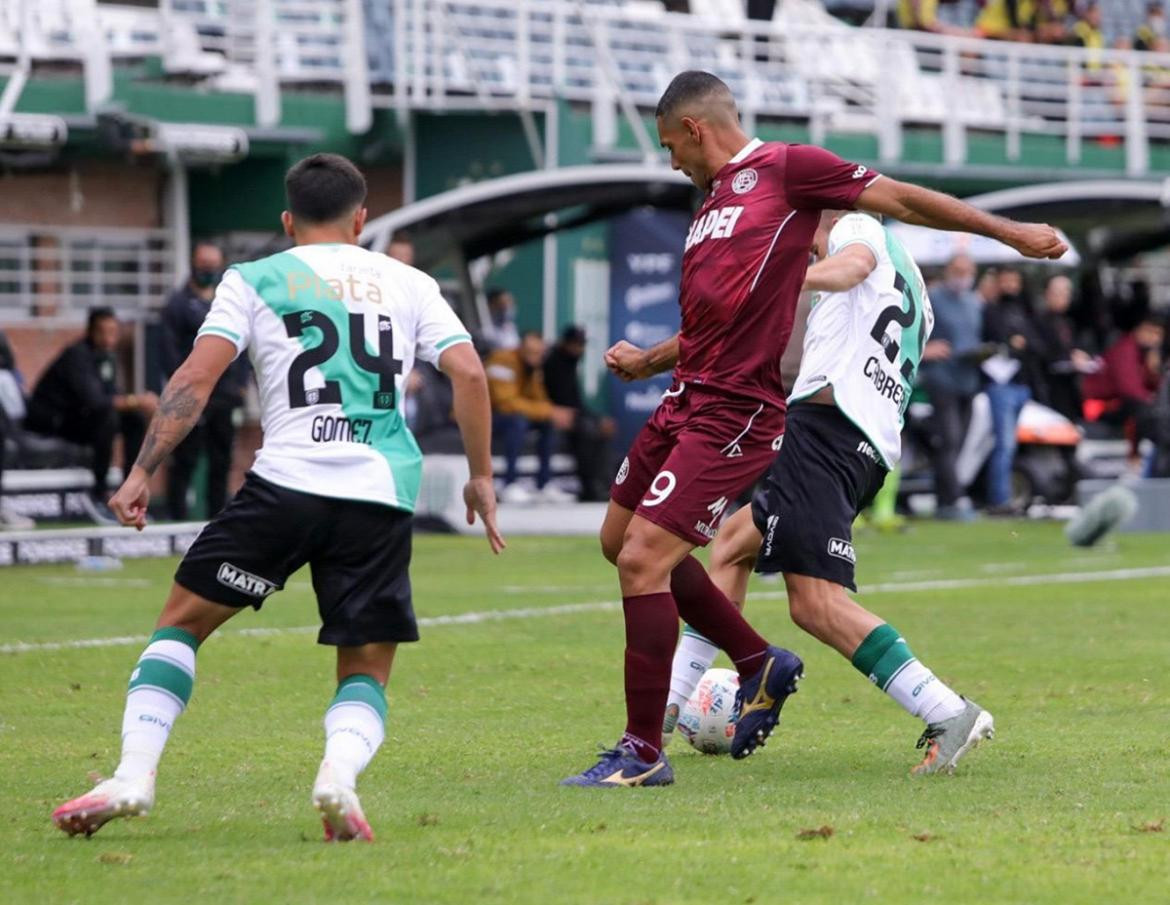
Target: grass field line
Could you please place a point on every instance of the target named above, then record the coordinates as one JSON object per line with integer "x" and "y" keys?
{"x": 532, "y": 612}
{"x": 568, "y": 609}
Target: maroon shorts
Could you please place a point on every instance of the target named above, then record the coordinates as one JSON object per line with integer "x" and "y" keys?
{"x": 697, "y": 453}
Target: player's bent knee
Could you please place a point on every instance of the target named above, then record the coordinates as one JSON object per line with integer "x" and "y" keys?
{"x": 611, "y": 545}
{"x": 197, "y": 615}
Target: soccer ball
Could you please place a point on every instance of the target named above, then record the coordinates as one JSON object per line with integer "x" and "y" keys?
{"x": 708, "y": 719}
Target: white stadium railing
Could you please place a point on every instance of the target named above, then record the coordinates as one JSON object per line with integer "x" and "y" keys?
{"x": 437, "y": 54}
{"x": 615, "y": 56}
{"x": 51, "y": 271}
{"x": 803, "y": 65}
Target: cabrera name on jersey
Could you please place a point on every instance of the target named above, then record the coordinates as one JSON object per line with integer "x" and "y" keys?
{"x": 332, "y": 332}
{"x": 867, "y": 341}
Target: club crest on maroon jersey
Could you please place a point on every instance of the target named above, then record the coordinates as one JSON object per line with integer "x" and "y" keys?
{"x": 744, "y": 181}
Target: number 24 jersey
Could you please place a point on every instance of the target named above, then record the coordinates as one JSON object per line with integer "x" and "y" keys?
{"x": 332, "y": 332}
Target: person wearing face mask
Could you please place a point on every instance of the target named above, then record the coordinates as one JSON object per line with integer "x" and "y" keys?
{"x": 950, "y": 376}
{"x": 182, "y": 316}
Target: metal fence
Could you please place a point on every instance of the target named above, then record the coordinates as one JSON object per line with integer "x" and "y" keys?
{"x": 52, "y": 271}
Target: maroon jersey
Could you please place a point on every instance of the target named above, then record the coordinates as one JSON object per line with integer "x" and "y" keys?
{"x": 746, "y": 255}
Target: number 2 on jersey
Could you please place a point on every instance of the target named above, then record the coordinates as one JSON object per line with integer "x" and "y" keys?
{"x": 384, "y": 364}
{"x": 895, "y": 315}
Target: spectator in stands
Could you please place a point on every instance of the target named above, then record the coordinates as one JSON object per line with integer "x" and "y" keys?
{"x": 1063, "y": 361}
{"x": 1125, "y": 385}
{"x": 401, "y": 248}
{"x": 500, "y": 330}
{"x": 215, "y": 434}
{"x": 11, "y": 411}
{"x": 1151, "y": 34}
{"x": 429, "y": 410}
{"x": 590, "y": 433}
{"x": 1087, "y": 33}
{"x": 950, "y": 376}
{"x": 520, "y": 405}
{"x": 922, "y": 15}
{"x": 79, "y": 399}
{"x": 1009, "y": 323}
{"x": 1004, "y": 20}
{"x": 1049, "y": 21}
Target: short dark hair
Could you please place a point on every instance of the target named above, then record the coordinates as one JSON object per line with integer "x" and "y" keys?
{"x": 401, "y": 236}
{"x": 203, "y": 243}
{"x": 322, "y": 188}
{"x": 531, "y": 334}
{"x": 494, "y": 292}
{"x": 690, "y": 86}
{"x": 98, "y": 313}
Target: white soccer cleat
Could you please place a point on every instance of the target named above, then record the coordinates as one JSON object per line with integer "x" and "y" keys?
{"x": 110, "y": 798}
{"x": 340, "y": 809}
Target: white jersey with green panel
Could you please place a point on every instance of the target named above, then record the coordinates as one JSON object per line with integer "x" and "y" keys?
{"x": 332, "y": 332}
{"x": 867, "y": 341}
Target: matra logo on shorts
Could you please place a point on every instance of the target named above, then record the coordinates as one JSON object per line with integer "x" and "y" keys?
{"x": 245, "y": 582}
{"x": 623, "y": 472}
{"x": 744, "y": 181}
{"x": 842, "y": 549}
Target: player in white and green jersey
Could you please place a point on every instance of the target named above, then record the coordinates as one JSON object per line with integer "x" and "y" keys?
{"x": 332, "y": 330}
{"x": 866, "y": 335}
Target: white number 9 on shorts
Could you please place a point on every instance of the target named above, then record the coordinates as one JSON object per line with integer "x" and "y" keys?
{"x": 660, "y": 488}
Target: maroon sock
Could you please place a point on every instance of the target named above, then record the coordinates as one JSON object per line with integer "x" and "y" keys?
{"x": 651, "y": 634}
{"x": 707, "y": 610}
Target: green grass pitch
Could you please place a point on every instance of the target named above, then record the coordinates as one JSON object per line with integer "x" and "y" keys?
{"x": 486, "y": 715}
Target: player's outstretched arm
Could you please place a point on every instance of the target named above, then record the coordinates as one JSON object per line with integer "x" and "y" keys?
{"x": 473, "y": 414}
{"x": 925, "y": 207}
{"x": 178, "y": 411}
{"x": 629, "y": 362}
{"x": 842, "y": 271}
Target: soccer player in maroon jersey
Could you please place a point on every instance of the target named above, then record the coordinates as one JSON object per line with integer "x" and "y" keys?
{"x": 718, "y": 426}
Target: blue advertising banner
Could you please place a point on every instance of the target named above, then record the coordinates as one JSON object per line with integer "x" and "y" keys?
{"x": 646, "y": 247}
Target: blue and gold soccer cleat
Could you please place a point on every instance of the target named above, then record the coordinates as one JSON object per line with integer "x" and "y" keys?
{"x": 761, "y": 697}
{"x": 620, "y": 766}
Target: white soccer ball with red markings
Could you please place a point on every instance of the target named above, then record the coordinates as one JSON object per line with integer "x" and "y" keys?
{"x": 708, "y": 719}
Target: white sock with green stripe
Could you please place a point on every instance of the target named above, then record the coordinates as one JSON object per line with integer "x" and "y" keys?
{"x": 160, "y": 688}
{"x": 693, "y": 657}
{"x": 355, "y": 725}
{"x": 886, "y": 659}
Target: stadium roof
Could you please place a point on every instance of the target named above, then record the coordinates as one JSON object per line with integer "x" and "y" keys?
{"x": 486, "y": 217}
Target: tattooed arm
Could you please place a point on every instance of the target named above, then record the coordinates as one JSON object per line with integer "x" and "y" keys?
{"x": 179, "y": 409}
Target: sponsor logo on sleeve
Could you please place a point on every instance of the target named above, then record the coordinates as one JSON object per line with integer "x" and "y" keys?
{"x": 237, "y": 579}
{"x": 623, "y": 472}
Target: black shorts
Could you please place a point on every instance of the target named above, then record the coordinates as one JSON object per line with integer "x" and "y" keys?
{"x": 359, "y": 554}
{"x": 825, "y": 474}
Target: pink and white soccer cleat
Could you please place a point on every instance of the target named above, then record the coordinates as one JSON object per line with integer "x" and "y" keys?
{"x": 110, "y": 798}
{"x": 340, "y": 809}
